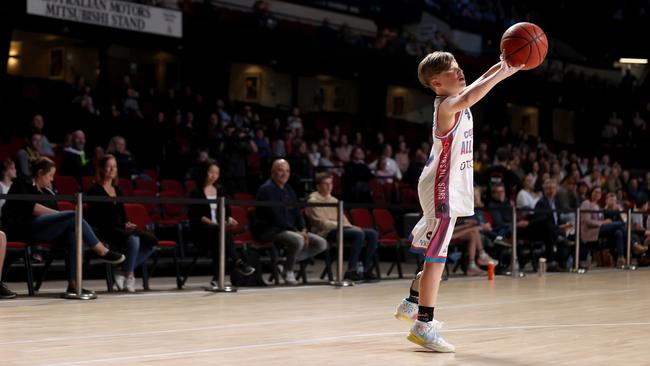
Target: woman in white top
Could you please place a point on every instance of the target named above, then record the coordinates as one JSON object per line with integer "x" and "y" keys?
{"x": 527, "y": 197}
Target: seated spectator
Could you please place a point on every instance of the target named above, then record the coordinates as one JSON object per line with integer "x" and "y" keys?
{"x": 356, "y": 177}
{"x": 5, "y": 292}
{"x": 236, "y": 146}
{"x": 382, "y": 173}
{"x": 75, "y": 161}
{"x": 501, "y": 173}
{"x": 594, "y": 225}
{"x": 501, "y": 211}
{"x": 391, "y": 164}
{"x": 37, "y": 221}
{"x": 324, "y": 223}
{"x": 294, "y": 122}
{"x": 344, "y": 150}
{"x": 568, "y": 201}
{"x": 328, "y": 163}
{"x": 263, "y": 147}
{"x": 111, "y": 224}
{"x": 29, "y": 152}
{"x": 567, "y": 195}
{"x": 7, "y": 176}
{"x": 634, "y": 190}
{"x": 613, "y": 180}
{"x": 130, "y": 104}
{"x": 314, "y": 154}
{"x": 126, "y": 164}
{"x": 640, "y": 232}
{"x": 204, "y": 220}
{"x": 284, "y": 225}
{"x": 527, "y": 197}
{"x": 47, "y": 148}
{"x": 202, "y": 156}
{"x": 221, "y": 109}
{"x": 402, "y": 157}
{"x": 593, "y": 179}
{"x": 245, "y": 119}
{"x": 556, "y": 172}
{"x": 547, "y": 225}
{"x": 303, "y": 171}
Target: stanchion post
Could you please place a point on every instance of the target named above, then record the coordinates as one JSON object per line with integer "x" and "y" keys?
{"x": 221, "y": 250}
{"x": 628, "y": 258}
{"x": 576, "y": 259}
{"x": 515, "y": 260}
{"x": 339, "y": 244}
{"x": 78, "y": 286}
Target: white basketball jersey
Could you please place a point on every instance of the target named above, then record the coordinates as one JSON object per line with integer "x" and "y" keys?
{"x": 446, "y": 186}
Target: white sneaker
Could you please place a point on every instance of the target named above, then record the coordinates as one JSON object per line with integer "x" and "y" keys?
{"x": 426, "y": 334}
{"x": 289, "y": 278}
{"x": 129, "y": 284}
{"x": 119, "y": 281}
{"x": 484, "y": 259}
{"x": 407, "y": 311}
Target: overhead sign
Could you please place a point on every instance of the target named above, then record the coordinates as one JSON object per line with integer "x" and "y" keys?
{"x": 112, "y": 13}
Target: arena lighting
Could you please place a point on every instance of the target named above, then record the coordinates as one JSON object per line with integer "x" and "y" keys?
{"x": 640, "y": 61}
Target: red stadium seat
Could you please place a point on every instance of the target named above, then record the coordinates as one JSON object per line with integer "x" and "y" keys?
{"x": 126, "y": 186}
{"x": 65, "y": 184}
{"x": 87, "y": 182}
{"x": 169, "y": 185}
{"x": 189, "y": 185}
{"x": 361, "y": 217}
{"x": 144, "y": 184}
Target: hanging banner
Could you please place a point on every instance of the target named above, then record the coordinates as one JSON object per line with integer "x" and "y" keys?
{"x": 112, "y": 13}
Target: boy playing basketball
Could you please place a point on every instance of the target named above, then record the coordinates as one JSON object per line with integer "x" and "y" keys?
{"x": 445, "y": 187}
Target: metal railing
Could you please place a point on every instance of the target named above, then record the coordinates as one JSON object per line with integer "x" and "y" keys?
{"x": 578, "y": 214}
{"x": 80, "y": 199}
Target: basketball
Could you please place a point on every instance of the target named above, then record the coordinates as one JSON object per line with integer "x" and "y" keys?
{"x": 524, "y": 43}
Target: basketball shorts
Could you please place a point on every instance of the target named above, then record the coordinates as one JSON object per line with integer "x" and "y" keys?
{"x": 431, "y": 237}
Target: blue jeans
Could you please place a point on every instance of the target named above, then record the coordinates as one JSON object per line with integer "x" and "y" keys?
{"x": 356, "y": 238}
{"x": 61, "y": 225}
{"x": 136, "y": 254}
{"x": 615, "y": 234}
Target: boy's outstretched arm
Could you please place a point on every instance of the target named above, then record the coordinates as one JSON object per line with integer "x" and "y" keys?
{"x": 473, "y": 93}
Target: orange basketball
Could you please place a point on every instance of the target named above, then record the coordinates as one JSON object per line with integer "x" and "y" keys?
{"x": 524, "y": 43}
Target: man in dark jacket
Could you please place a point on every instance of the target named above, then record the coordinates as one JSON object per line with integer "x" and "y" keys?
{"x": 284, "y": 224}
{"x": 547, "y": 225}
{"x": 75, "y": 162}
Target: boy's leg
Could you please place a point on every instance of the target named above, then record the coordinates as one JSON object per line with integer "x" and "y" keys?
{"x": 425, "y": 331}
{"x": 429, "y": 286}
{"x": 408, "y": 307}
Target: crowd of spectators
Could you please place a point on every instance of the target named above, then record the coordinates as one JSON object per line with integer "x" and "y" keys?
{"x": 185, "y": 131}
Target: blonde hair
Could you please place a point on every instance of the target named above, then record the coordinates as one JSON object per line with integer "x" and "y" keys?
{"x": 432, "y": 65}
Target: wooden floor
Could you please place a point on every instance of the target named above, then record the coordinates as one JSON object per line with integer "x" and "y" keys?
{"x": 599, "y": 318}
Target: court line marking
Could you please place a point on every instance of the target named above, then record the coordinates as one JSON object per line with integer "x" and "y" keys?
{"x": 297, "y": 320}
{"x": 330, "y": 339}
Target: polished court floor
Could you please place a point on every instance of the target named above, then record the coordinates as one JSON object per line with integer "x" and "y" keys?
{"x": 599, "y": 318}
